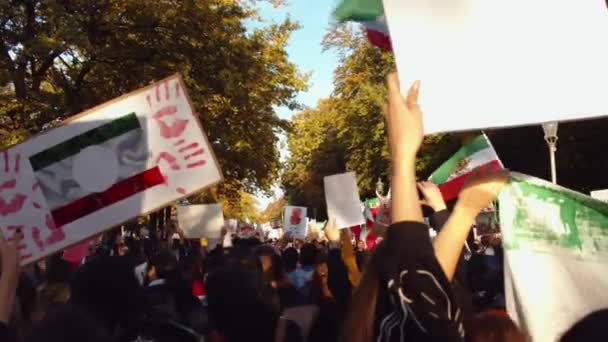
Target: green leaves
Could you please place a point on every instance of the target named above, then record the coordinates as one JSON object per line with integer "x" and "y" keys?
{"x": 76, "y": 54}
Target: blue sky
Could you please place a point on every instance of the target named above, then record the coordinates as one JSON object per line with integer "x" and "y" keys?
{"x": 305, "y": 51}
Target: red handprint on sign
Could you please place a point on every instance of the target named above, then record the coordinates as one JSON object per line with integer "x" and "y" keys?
{"x": 172, "y": 124}
{"x": 17, "y": 196}
{"x": 296, "y": 216}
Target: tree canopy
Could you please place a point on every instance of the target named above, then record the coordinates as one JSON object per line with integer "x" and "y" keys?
{"x": 60, "y": 57}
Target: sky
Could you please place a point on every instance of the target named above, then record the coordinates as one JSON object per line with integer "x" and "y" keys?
{"x": 306, "y": 52}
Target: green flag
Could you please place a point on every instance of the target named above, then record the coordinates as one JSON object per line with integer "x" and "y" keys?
{"x": 359, "y": 10}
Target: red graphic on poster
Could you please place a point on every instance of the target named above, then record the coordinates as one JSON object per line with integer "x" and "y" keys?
{"x": 13, "y": 202}
{"x": 296, "y": 216}
{"x": 171, "y": 126}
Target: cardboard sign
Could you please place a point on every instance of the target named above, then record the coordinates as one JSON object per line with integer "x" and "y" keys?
{"x": 342, "y": 198}
{"x": 129, "y": 156}
{"x": 201, "y": 221}
{"x": 496, "y": 63}
{"x": 295, "y": 222}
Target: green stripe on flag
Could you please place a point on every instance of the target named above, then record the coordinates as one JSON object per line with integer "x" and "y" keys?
{"x": 74, "y": 145}
{"x": 359, "y": 10}
{"x": 442, "y": 174}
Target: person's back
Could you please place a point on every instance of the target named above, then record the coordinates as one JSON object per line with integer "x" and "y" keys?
{"x": 302, "y": 276}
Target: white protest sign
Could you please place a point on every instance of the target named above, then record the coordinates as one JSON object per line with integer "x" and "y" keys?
{"x": 232, "y": 225}
{"x": 556, "y": 253}
{"x": 295, "y": 222}
{"x": 342, "y": 198}
{"x": 198, "y": 221}
{"x": 132, "y": 155}
{"x": 601, "y": 195}
{"x": 496, "y": 63}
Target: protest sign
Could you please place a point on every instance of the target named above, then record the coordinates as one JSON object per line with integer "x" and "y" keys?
{"x": 201, "y": 221}
{"x": 132, "y": 155}
{"x": 295, "y": 222}
{"x": 489, "y": 63}
{"x": 601, "y": 195}
{"x": 342, "y": 198}
{"x": 556, "y": 248}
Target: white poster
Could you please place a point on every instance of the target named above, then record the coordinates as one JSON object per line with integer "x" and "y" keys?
{"x": 342, "y": 198}
{"x": 203, "y": 220}
{"x": 601, "y": 195}
{"x": 132, "y": 155}
{"x": 295, "y": 222}
{"x": 496, "y": 63}
{"x": 556, "y": 255}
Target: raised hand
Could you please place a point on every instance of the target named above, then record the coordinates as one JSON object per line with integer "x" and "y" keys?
{"x": 404, "y": 119}
{"x": 482, "y": 188}
{"x": 331, "y": 232}
{"x": 432, "y": 195}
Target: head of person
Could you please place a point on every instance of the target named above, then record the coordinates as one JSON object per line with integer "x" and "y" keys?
{"x": 108, "y": 290}
{"x": 58, "y": 271}
{"x": 590, "y": 328}
{"x": 308, "y": 254}
{"x": 69, "y": 323}
{"x": 161, "y": 266}
{"x": 240, "y": 305}
{"x": 494, "y": 326}
{"x": 290, "y": 258}
{"x": 265, "y": 253}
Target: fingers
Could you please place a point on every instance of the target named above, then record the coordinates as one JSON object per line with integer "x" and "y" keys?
{"x": 394, "y": 91}
{"x": 412, "y": 96}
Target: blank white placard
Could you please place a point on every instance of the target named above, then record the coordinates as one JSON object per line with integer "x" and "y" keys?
{"x": 342, "y": 198}
{"x": 497, "y": 63}
{"x": 202, "y": 220}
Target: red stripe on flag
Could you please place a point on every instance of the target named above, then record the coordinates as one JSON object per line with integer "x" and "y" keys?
{"x": 380, "y": 40}
{"x": 451, "y": 189}
{"x": 117, "y": 192}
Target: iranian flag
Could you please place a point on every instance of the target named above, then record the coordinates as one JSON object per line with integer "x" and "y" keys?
{"x": 57, "y": 169}
{"x": 452, "y": 174}
{"x": 369, "y": 13}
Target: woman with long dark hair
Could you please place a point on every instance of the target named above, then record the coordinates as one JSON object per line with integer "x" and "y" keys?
{"x": 405, "y": 292}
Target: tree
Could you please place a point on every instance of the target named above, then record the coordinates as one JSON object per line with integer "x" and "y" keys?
{"x": 347, "y": 131}
{"x": 60, "y": 57}
{"x": 273, "y": 210}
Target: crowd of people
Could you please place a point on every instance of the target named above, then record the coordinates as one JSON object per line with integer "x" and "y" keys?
{"x": 407, "y": 288}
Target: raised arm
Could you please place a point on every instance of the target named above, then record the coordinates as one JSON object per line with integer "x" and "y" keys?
{"x": 405, "y": 134}
{"x": 481, "y": 189}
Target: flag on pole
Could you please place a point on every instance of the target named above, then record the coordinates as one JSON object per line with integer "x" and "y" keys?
{"x": 556, "y": 243}
{"x": 452, "y": 174}
{"x": 369, "y": 13}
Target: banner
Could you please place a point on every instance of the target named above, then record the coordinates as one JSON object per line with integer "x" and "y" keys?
{"x": 132, "y": 155}
{"x": 489, "y": 63}
{"x": 201, "y": 221}
{"x": 295, "y": 222}
{"x": 556, "y": 255}
{"x": 342, "y": 198}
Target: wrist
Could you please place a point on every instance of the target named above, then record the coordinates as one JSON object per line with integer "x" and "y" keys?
{"x": 465, "y": 211}
{"x": 438, "y": 207}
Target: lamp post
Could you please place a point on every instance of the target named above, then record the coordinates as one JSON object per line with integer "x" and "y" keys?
{"x": 379, "y": 187}
{"x": 550, "y": 129}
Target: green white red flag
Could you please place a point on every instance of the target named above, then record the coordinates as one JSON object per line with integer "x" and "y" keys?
{"x": 475, "y": 155}
{"x": 369, "y": 13}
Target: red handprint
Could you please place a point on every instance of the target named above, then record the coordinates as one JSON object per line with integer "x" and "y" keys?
{"x": 296, "y": 216}
{"x": 172, "y": 124}
{"x": 17, "y": 200}
{"x": 167, "y": 110}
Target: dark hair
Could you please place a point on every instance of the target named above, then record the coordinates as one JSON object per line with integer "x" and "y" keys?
{"x": 494, "y": 326}
{"x": 308, "y": 254}
{"x": 164, "y": 263}
{"x": 591, "y": 328}
{"x": 290, "y": 258}
{"x": 108, "y": 290}
{"x": 58, "y": 270}
{"x": 69, "y": 323}
{"x": 239, "y": 306}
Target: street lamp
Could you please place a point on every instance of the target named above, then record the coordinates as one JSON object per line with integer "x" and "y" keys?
{"x": 379, "y": 187}
{"x": 550, "y": 129}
